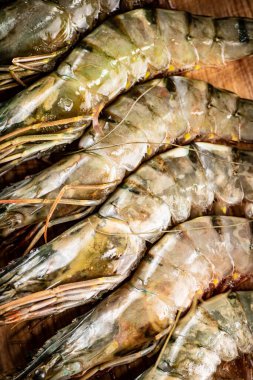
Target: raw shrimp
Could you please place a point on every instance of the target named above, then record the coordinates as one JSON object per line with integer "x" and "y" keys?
{"x": 128, "y": 48}
{"x": 136, "y": 126}
{"x": 98, "y": 253}
{"x": 194, "y": 257}
{"x": 219, "y": 330}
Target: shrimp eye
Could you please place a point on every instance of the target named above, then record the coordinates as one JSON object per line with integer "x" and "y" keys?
{"x": 39, "y": 374}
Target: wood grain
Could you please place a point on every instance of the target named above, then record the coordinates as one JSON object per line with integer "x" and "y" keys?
{"x": 19, "y": 342}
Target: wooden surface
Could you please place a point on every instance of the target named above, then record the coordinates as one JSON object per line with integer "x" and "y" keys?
{"x": 19, "y": 342}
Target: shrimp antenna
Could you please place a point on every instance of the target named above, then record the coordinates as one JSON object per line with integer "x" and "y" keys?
{"x": 125, "y": 116}
{"x": 172, "y": 230}
{"x": 83, "y": 202}
{"x": 172, "y": 329}
{"x": 170, "y": 144}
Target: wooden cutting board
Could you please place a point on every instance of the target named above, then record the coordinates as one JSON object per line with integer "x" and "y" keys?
{"x": 19, "y": 342}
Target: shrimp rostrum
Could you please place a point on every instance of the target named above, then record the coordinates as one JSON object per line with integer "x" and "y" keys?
{"x": 220, "y": 330}
{"x": 123, "y": 50}
{"x": 194, "y": 257}
{"x": 27, "y": 50}
{"x": 99, "y": 252}
{"x": 151, "y": 117}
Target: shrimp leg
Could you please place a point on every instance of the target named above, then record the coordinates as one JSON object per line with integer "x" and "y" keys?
{"x": 29, "y": 50}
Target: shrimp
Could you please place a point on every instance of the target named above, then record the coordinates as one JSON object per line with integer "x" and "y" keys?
{"x": 27, "y": 50}
{"x": 219, "y": 330}
{"x": 129, "y": 47}
{"x": 194, "y": 257}
{"x": 99, "y": 252}
{"x": 151, "y": 117}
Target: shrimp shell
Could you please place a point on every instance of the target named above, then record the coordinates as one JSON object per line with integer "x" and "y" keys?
{"x": 128, "y": 48}
{"x": 186, "y": 262}
{"x": 149, "y": 118}
{"x": 98, "y": 253}
{"x": 221, "y": 329}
